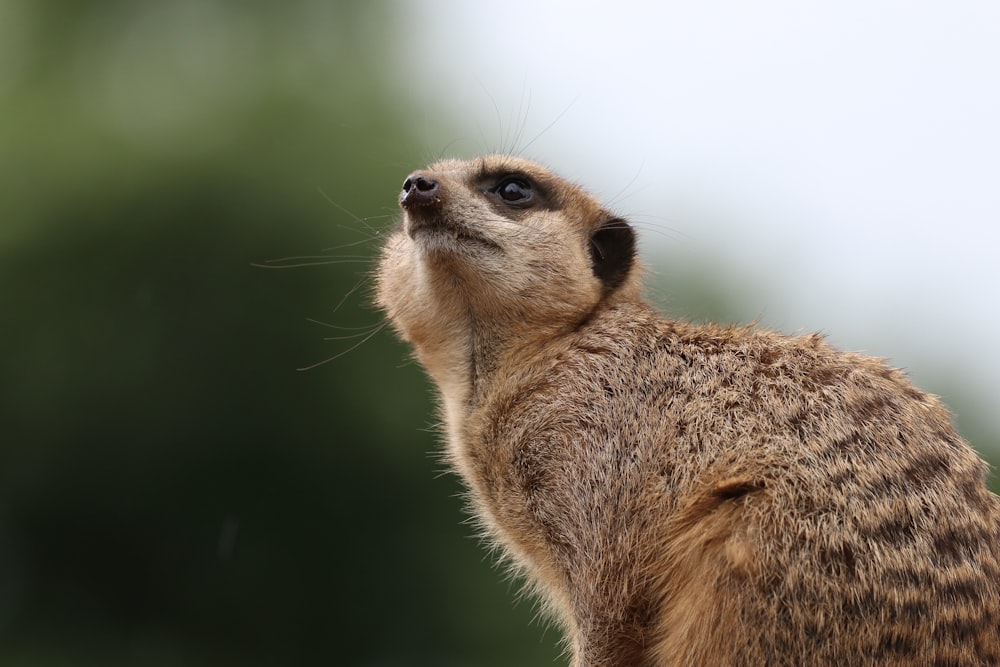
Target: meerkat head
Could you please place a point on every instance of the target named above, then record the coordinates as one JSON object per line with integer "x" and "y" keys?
{"x": 499, "y": 243}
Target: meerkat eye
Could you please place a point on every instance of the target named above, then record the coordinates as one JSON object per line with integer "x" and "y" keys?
{"x": 515, "y": 192}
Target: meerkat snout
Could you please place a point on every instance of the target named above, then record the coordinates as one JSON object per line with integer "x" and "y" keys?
{"x": 418, "y": 190}
{"x": 682, "y": 494}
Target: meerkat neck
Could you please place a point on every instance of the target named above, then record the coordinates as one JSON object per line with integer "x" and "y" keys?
{"x": 473, "y": 359}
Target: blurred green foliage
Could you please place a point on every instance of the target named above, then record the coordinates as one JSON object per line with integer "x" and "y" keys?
{"x": 172, "y": 490}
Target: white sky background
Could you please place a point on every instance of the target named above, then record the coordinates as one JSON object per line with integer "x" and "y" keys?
{"x": 843, "y": 158}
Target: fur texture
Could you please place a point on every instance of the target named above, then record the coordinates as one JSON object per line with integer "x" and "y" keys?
{"x": 681, "y": 494}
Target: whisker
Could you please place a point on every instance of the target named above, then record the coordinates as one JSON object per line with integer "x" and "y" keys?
{"x": 496, "y": 110}
{"x": 347, "y": 336}
{"x": 549, "y": 126}
{"x": 375, "y": 330}
{"x": 620, "y": 195}
{"x": 351, "y": 291}
{"x": 443, "y": 152}
{"x": 274, "y": 263}
{"x": 357, "y": 218}
{"x": 352, "y": 244}
{"x": 338, "y": 327}
{"x": 521, "y": 118}
{"x": 298, "y": 258}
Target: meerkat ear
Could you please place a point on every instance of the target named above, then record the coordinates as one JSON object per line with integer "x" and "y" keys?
{"x": 612, "y": 252}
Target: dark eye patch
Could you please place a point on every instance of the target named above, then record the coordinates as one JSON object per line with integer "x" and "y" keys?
{"x": 515, "y": 191}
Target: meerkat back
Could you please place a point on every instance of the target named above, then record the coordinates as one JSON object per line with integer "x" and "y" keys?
{"x": 682, "y": 494}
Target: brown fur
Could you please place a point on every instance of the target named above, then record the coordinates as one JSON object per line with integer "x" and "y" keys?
{"x": 681, "y": 494}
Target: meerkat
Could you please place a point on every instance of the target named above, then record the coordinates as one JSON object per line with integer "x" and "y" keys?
{"x": 682, "y": 494}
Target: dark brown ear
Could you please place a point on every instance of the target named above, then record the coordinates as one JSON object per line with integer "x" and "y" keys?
{"x": 612, "y": 252}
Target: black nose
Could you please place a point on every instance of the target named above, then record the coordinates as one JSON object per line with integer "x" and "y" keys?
{"x": 419, "y": 190}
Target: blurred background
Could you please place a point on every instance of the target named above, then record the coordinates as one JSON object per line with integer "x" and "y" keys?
{"x": 173, "y": 491}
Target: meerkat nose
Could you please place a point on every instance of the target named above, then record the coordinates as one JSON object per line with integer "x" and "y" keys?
{"x": 418, "y": 190}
